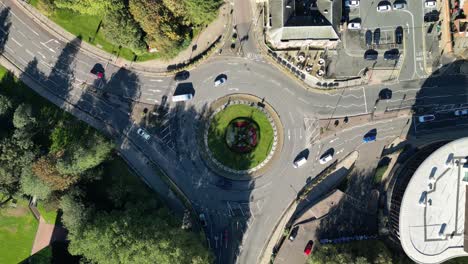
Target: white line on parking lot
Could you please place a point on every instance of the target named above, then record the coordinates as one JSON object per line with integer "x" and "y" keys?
{"x": 15, "y": 41}
{"x": 156, "y": 80}
{"x": 365, "y": 99}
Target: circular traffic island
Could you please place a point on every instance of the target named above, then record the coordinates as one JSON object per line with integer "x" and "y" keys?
{"x": 242, "y": 136}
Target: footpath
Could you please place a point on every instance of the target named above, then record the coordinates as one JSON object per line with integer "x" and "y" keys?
{"x": 201, "y": 45}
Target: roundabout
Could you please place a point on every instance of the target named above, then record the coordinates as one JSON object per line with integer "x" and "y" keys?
{"x": 241, "y": 136}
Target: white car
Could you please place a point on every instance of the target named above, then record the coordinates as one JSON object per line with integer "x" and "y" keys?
{"x": 400, "y": 5}
{"x": 384, "y": 8}
{"x": 354, "y": 25}
{"x": 426, "y": 118}
{"x": 461, "y": 112}
{"x": 430, "y": 3}
{"x": 326, "y": 159}
{"x": 352, "y": 3}
{"x": 143, "y": 134}
{"x": 298, "y": 163}
{"x": 220, "y": 81}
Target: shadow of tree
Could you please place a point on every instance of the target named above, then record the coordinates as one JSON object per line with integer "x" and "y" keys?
{"x": 5, "y": 25}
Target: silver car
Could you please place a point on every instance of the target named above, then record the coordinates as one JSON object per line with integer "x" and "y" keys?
{"x": 142, "y": 133}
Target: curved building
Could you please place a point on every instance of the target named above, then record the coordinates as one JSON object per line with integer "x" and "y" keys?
{"x": 431, "y": 218}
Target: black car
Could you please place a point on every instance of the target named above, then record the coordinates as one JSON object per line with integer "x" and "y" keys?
{"x": 385, "y": 94}
{"x": 293, "y": 233}
{"x": 377, "y": 36}
{"x": 182, "y": 76}
{"x": 368, "y": 37}
{"x": 371, "y": 55}
{"x": 432, "y": 16}
{"x": 399, "y": 35}
{"x": 392, "y": 54}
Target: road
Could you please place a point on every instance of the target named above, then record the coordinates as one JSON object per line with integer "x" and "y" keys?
{"x": 255, "y": 206}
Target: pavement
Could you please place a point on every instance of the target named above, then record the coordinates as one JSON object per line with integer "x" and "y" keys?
{"x": 60, "y": 71}
{"x": 46, "y": 234}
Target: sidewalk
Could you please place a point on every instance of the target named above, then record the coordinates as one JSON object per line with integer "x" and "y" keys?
{"x": 46, "y": 234}
{"x": 200, "y": 44}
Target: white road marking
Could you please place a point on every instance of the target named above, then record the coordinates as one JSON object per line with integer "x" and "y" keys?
{"x": 303, "y": 100}
{"x": 154, "y": 90}
{"x": 233, "y": 89}
{"x": 156, "y": 80}
{"x": 289, "y": 134}
{"x": 333, "y": 140}
{"x": 365, "y": 99}
{"x": 289, "y": 91}
{"x": 20, "y": 20}
{"x": 15, "y": 41}
{"x": 30, "y": 53}
{"x": 42, "y": 55}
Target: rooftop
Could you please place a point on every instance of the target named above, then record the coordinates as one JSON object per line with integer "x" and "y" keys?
{"x": 432, "y": 215}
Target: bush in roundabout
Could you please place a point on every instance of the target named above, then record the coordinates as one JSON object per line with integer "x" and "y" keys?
{"x": 240, "y": 137}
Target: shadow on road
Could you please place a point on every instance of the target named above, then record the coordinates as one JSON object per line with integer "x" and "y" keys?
{"x": 5, "y": 25}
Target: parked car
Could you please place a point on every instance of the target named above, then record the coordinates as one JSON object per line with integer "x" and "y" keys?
{"x": 392, "y": 54}
{"x": 368, "y": 37}
{"x": 354, "y": 25}
{"x": 99, "y": 74}
{"x": 308, "y": 248}
{"x": 399, "y": 5}
{"x": 142, "y": 133}
{"x": 432, "y": 16}
{"x": 461, "y": 112}
{"x": 377, "y": 36}
{"x": 182, "y": 75}
{"x": 371, "y": 55}
{"x": 352, "y": 3}
{"x": 298, "y": 163}
{"x": 384, "y": 8}
{"x": 182, "y": 97}
{"x": 293, "y": 233}
{"x": 370, "y": 136}
{"x": 325, "y": 159}
{"x": 202, "y": 219}
{"x": 426, "y": 118}
{"x": 399, "y": 35}
{"x": 219, "y": 81}
{"x": 430, "y": 3}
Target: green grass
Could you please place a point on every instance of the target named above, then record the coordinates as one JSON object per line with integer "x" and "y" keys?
{"x": 86, "y": 26}
{"x": 49, "y": 215}
{"x": 219, "y": 148}
{"x": 17, "y": 231}
{"x": 379, "y": 172}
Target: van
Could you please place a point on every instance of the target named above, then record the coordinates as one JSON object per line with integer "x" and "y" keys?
{"x": 181, "y": 97}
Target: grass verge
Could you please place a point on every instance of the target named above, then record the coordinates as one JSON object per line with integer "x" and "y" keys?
{"x": 49, "y": 215}
{"x": 217, "y": 142}
{"x": 379, "y": 172}
{"x": 17, "y": 231}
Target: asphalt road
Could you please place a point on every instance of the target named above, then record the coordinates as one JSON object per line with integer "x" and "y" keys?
{"x": 254, "y": 205}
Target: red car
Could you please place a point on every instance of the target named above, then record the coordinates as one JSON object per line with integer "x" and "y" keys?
{"x": 98, "y": 73}
{"x": 308, "y": 248}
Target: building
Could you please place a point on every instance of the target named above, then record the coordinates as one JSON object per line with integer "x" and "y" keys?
{"x": 428, "y": 201}
{"x": 298, "y": 23}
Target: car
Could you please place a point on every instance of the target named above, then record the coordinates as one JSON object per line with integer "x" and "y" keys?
{"x": 325, "y": 159}
{"x": 99, "y": 74}
{"x": 308, "y": 248}
{"x": 182, "y": 76}
{"x": 392, "y": 54}
{"x": 399, "y": 5}
{"x": 377, "y": 36}
{"x": 220, "y": 81}
{"x": 202, "y": 219}
{"x": 461, "y": 112}
{"x": 293, "y": 233}
{"x": 399, "y": 35}
{"x": 368, "y": 37}
{"x": 182, "y": 97}
{"x": 370, "y": 136}
{"x": 432, "y": 16}
{"x": 384, "y": 8}
{"x": 298, "y": 163}
{"x": 352, "y": 3}
{"x": 354, "y": 25}
{"x": 142, "y": 133}
{"x": 426, "y": 118}
{"x": 385, "y": 94}
{"x": 371, "y": 55}
{"x": 430, "y": 3}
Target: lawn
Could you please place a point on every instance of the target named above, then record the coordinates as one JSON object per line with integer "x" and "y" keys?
{"x": 49, "y": 215}
{"x": 217, "y": 142}
{"x": 87, "y": 27}
{"x": 17, "y": 231}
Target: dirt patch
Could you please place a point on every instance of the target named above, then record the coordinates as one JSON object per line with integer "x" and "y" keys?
{"x": 11, "y": 229}
{"x": 17, "y": 212}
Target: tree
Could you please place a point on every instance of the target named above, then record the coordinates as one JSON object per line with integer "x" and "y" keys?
{"x": 5, "y": 105}
{"x": 121, "y": 29}
{"x": 138, "y": 234}
{"x": 194, "y": 12}
{"x": 23, "y": 116}
{"x": 46, "y": 7}
{"x": 75, "y": 213}
{"x": 33, "y": 186}
{"x": 45, "y": 169}
{"x": 84, "y": 154}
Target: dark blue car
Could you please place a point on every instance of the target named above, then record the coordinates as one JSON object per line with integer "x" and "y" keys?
{"x": 370, "y": 136}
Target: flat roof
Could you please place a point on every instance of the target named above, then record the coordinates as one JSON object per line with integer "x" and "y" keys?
{"x": 432, "y": 214}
